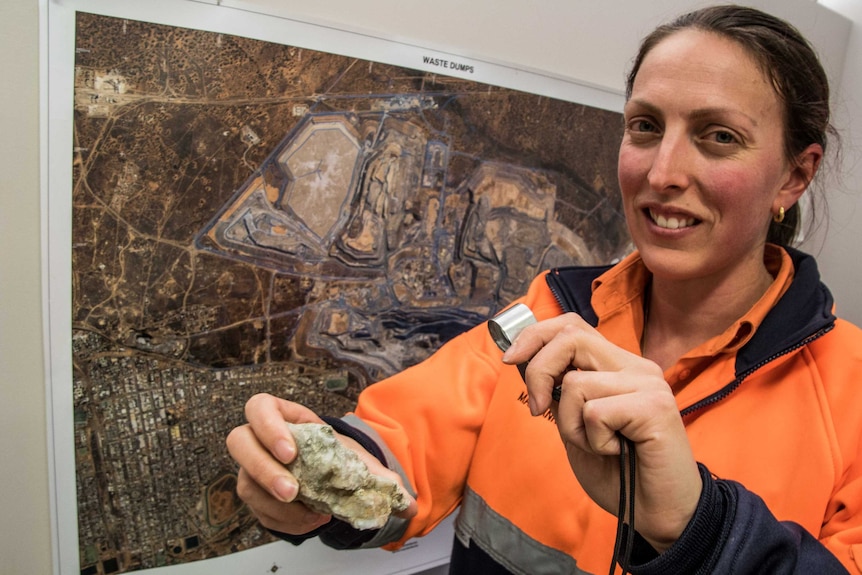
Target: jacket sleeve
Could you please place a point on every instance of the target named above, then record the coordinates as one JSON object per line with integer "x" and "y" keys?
{"x": 732, "y": 531}
{"x": 423, "y": 423}
{"x": 427, "y": 420}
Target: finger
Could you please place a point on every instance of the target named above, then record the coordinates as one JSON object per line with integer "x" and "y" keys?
{"x": 534, "y": 337}
{"x": 594, "y": 406}
{"x": 259, "y": 464}
{"x": 573, "y": 347}
{"x": 593, "y": 354}
{"x": 546, "y": 370}
{"x": 587, "y": 348}
{"x": 309, "y": 522}
{"x": 648, "y": 418}
{"x": 266, "y": 414}
{"x": 293, "y": 518}
{"x": 297, "y": 520}
{"x": 581, "y": 389}
{"x": 556, "y": 346}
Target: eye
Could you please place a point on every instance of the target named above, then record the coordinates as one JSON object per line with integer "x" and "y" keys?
{"x": 724, "y": 137}
{"x": 643, "y": 130}
{"x": 643, "y": 126}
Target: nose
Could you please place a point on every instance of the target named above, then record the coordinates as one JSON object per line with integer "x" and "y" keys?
{"x": 671, "y": 164}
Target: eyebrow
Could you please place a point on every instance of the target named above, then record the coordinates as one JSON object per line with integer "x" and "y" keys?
{"x": 707, "y": 112}
{"x": 697, "y": 114}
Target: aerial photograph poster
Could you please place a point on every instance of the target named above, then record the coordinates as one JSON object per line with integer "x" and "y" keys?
{"x": 253, "y": 216}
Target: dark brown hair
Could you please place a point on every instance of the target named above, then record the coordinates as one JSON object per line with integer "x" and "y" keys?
{"x": 787, "y": 59}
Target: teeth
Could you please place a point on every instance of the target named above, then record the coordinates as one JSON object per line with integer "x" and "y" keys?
{"x": 671, "y": 222}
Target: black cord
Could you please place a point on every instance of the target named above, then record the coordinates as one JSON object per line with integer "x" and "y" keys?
{"x": 627, "y": 495}
{"x": 622, "y": 508}
{"x": 630, "y": 540}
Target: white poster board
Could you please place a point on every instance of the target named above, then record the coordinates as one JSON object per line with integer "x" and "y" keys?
{"x": 62, "y": 147}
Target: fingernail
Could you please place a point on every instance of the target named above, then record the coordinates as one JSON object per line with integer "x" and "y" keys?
{"x": 314, "y": 519}
{"x": 285, "y": 489}
{"x": 510, "y": 352}
{"x": 532, "y": 403}
{"x": 284, "y": 451}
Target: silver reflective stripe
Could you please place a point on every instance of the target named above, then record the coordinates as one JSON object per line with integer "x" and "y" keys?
{"x": 395, "y": 526}
{"x": 506, "y": 544}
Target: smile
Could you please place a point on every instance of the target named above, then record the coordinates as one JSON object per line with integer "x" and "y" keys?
{"x": 671, "y": 222}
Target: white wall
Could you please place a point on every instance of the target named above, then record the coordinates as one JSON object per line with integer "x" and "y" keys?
{"x": 559, "y": 36}
{"x": 24, "y": 530}
{"x": 837, "y": 245}
{"x": 580, "y": 39}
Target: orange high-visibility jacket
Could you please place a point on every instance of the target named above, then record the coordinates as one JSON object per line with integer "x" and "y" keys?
{"x": 774, "y": 403}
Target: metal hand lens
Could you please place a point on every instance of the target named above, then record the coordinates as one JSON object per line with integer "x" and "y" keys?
{"x": 505, "y": 327}
{"x": 507, "y": 324}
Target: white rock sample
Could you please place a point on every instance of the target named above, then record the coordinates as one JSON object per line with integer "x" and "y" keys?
{"x": 333, "y": 480}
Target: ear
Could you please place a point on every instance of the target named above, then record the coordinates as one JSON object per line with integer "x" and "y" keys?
{"x": 799, "y": 175}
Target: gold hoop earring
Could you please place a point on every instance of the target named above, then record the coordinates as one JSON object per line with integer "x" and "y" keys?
{"x": 779, "y": 217}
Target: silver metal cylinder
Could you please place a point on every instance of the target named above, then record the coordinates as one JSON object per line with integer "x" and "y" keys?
{"x": 506, "y": 325}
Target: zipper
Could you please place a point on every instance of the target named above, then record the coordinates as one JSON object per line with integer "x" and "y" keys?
{"x": 558, "y": 292}
{"x": 733, "y": 385}
{"x": 568, "y": 305}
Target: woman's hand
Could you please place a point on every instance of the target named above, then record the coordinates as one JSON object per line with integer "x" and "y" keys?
{"x": 606, "y": 390}
{"x": 262, "y": 447}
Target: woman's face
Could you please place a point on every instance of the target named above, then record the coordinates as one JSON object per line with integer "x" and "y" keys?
{"x": 701, "y": 165}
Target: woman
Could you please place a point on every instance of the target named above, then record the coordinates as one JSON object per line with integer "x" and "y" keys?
{"x": 711, "y": 350}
